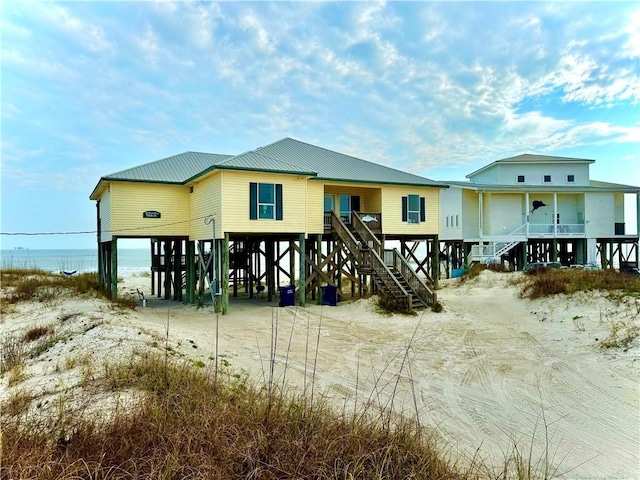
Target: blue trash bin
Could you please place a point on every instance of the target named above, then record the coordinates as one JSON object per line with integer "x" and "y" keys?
{"x": 457, "y": 272}
{"x": 329, "y": 295}
{"x": 287, "y": 296}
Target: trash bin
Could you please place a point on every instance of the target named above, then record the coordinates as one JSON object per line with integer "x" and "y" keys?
{"x": 287, "y": 296}
{"x": 457, "y": 272}
{"x": 329, "y": 295}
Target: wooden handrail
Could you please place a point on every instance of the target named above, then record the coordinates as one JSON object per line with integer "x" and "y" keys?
{"x": 387, "y": 276}
{"x": 367, "y": 235}
{"x": 343, "y": 232}
{"x": 421, "y": 289}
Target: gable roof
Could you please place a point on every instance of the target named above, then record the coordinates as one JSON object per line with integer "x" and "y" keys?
{"x": 532, "y": 159}
{"x": 284, "y": 156}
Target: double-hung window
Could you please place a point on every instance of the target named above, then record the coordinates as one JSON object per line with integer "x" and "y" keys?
{"x": 413, "y": 209}
{"x": 413, "y": 212}
{"x": 265, "y": 201}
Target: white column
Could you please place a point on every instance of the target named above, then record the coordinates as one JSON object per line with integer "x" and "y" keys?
{"x": 555, "y": 214}
{"x": 480, "y": 213}
{"x": 526, "y": 199}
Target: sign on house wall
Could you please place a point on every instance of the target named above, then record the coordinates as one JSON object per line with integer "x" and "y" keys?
{"x": 151, "y": 214}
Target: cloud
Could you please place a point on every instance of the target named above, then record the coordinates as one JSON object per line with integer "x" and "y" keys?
{"x": 90, "y": 36}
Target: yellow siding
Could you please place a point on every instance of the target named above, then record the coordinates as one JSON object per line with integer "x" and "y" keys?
{"x": 129, "y": 200}
{"x": 392, "y": 223}
{"x": 235, "y": 198}
{"x": 315, "y": 207}
{"x": 105, "y": 216}
{"x": 205, "y": 200}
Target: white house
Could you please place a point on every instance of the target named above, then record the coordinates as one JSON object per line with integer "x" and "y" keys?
{"x": 533, "y": 208}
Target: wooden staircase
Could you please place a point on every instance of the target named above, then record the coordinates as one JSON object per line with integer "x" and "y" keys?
{"x": 397, "y": 282}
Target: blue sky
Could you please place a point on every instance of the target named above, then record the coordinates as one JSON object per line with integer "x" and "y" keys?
{"x": 437, "y": 89}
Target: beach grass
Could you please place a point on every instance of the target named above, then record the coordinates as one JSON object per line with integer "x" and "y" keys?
{"x": 186, "y": 423}
{"x": 22, "y": 285}
{"x": 549, "y": 281}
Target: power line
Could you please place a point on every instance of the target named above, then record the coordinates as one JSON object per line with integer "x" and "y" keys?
{"x": 34, "y": 234}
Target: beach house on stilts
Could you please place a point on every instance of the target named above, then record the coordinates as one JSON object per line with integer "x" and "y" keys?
{"x": 537, "y": 208}
{"x": 288, "y": 213}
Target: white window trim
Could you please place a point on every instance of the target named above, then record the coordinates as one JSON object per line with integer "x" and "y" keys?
{"x": 570, "y": 175}
{"x": 409, "y": 211}
{"x": 524, "y": 179}
{"x": 272, "y": 205}
{"x": 550, "y": 178}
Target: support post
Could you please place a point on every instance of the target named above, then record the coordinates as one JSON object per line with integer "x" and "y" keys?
{"x": 191, "y": 274}
{"x": 292, "y": 265}
{"x": 225, "y": 274}
{"x": 302, "y": 280}
{"x": 114, "y": 268}
{"x": 318, "y": 261}
{"x": 435, "y": 261}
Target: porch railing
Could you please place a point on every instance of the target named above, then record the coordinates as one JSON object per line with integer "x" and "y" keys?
{"x": 547, "y": 229}
{"x": 373, "y": 220}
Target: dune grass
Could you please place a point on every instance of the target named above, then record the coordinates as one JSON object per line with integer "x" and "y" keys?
{"x": 548, "y": 281}
{"x": 188, "y": 424}
{"x": 21, "y": 285}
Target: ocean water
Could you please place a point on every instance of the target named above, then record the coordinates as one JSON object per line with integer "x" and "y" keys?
{"x": 131, "y": 262}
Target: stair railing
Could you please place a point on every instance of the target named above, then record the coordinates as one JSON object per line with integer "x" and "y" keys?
{"x": 367, "y": 235}
{"x": 355, "y": 246}
{"x": 371, "y": 258}
{"x": 388, "y": 279}
{"x": 422, "y": 290}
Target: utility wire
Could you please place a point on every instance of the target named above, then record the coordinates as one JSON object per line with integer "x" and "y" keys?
{"x": 103, "y": 231}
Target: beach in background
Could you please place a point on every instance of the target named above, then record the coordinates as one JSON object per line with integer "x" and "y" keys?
{"x": 131, "y": 262}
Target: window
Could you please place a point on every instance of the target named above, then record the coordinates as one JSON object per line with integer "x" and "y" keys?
{"x": 520, "y": 178}
{"x": 265, "y": 201}
{"x": 547, "y": 179}
{"x": 413, "y": 209}
{"x": 571, "y": 178}
{"x": 457, "y": 218}
{"x": 447, "y": 221}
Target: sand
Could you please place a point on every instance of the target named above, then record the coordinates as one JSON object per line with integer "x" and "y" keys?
{"x": 489, "y": 372}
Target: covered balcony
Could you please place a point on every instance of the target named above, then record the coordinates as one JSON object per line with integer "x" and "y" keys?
{"x": 344, "y": 200}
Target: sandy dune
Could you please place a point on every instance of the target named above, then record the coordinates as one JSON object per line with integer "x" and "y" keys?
{"x": 490, "y": 370}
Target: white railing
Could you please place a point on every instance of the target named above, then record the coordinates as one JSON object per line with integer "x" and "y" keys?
{"x": 561, "y": 229}
{"x": 491, "y": 251}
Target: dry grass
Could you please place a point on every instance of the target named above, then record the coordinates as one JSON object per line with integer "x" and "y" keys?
{"x": 544, "y": 282}
{"x": 187, "y": 424}
{"x": 477, "y": 268}
{"x": 22, "y": 285}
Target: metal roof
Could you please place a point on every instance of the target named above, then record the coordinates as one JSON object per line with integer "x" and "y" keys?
{"x": 297, "y": 156}
{"x": 594, "y": 186}
{"x": 175, "y": 169}
{"x": 532, "y": 158}
{"x": 284, "y": 156}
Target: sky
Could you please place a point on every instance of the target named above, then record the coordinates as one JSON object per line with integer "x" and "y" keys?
{"x": 436, "y": 89}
